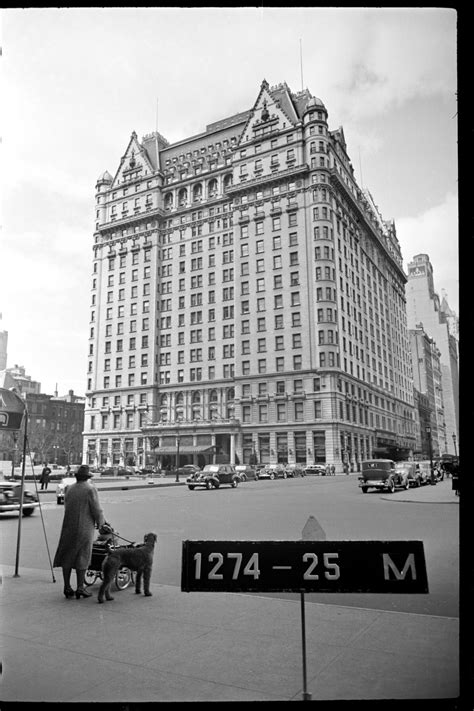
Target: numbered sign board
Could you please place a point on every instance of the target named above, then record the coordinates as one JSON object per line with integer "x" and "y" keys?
{"x": 304, "y": 566}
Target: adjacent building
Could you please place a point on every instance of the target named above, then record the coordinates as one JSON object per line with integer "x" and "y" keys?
{"x": 247, "y": 300}
{"x": 23, "y": 382}
{"x": 55, "y": 426}
{"x": 427, "y": 380}
{"x": 424, "y": 310}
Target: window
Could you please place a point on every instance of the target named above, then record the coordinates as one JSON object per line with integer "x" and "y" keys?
{"x": 299, "y": 411}
{"x": 259, "y": 227}
{"x": 277, "y": 263}
{"x": 276, "y": 223}
{"x": 297, "y": 362}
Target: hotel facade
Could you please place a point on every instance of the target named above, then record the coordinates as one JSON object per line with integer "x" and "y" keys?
{"x": 248, "y": 300}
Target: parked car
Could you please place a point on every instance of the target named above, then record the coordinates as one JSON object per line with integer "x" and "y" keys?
{"x": 293, "y": 470}
{"x": 117, "y": 471}
{"x": 381, "y": 474}
{"x": 213, "y": 476}
{"x": 315, "y": 469}
{"x": 62, "y": 486}
{"x": 411, "y": 471}
{"x": 10, "y": 492}
{"x": 266, "y": 472}
{"x": 424, "y": 467}
{"x": 188, "y": 469}
{"x": 246, "y": 472}
{"x": 280, "y": 471}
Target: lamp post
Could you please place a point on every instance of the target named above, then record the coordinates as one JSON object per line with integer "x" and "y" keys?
{"x": 177, "y": 451}
{"x": 55, "y": 448}
{"x": 454, "y": 442}
{"x": 430, "y": 444}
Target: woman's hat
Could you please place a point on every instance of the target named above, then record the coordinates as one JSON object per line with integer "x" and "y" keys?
{"x": 83, "y": 473}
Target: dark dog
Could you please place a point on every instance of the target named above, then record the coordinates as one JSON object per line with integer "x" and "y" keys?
{"x": 139, "y": 559}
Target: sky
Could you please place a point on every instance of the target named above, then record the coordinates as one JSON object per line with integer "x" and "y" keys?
{"x": 76, "y": 82}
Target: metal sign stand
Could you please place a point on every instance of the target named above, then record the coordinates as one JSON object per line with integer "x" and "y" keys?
{"x": 306, "y": 694}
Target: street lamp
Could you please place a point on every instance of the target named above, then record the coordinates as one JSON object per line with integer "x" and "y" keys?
{"x": 454, "y": 442}
{"x": 177, "y": 451}
{"x": 55, "y": 448}
{"x": 430, "y": 444}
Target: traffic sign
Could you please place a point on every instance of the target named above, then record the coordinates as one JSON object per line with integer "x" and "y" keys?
{"x": 304, "y": 566}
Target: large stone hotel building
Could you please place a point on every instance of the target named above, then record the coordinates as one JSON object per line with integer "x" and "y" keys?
{"x": 248, "y": 300}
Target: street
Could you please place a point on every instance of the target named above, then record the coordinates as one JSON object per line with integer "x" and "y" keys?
{"x": 265, "y": 510}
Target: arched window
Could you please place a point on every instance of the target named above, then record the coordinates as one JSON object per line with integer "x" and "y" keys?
{"x": 182, "y": 197}
{"x": 179, "y": 398}
{"x": 168, "y": 201}
{"x": 227, "y": 180}
{"x": 213, "y": 396}
{"x": 164, "y": 399}
{"x": 212, "y": 188}
{"x": 230, "y": 394}
{"x": 196, "y": 397}
{"x": 197, "y": 192}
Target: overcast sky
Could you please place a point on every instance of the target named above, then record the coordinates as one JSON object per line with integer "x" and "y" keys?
{"x": 76, "y": 83}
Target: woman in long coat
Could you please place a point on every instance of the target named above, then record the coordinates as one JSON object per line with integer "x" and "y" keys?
{"x": 82, "y": 513}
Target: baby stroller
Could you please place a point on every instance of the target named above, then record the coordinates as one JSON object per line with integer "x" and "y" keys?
{"x": 107, "y": 541}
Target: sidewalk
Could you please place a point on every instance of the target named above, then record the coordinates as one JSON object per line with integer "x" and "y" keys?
{"x": 178, "y": 646}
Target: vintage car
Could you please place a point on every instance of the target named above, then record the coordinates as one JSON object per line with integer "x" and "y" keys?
{"x": 62, "y": 486}
{"x": 246, "y": 472}
{"x": 10, "y": 498}
{"x": 270, "y": 471}
{"x": 315, "y": 469}
{"x": 424, "y": 468}
{"x": 411, "y": 471}
{"x": 188, "y": 470}
{"x": 293, "y": 470}
{"x": 213, "y": 476}
{"x": 381, "y": 474}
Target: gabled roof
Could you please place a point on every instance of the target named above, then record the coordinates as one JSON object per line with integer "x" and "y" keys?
{"x": 134, "y": 151}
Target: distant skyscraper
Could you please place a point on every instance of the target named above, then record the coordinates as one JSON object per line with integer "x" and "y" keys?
{"x": 425, "y": 311}
{"x": 3, "y": 347}
{"x": 247, "y": 301}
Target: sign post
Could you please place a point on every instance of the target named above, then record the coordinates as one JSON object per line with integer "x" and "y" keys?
{"x": 313, "y": 566}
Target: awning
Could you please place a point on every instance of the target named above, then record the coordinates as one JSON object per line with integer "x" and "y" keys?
{"x": 184, "y": 449}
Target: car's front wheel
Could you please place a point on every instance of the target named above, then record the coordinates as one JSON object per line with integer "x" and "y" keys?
{"x": 208, "y": 484}
{"x": 391, "y": 487}
{"x": 407, "y": 484}
{"x": 27, "y": 512}
{"x": 234, "y": 483}
{"x": 364, "y": 489}
{"x": 272, "y": 475}
{"x": 190, "y": 487}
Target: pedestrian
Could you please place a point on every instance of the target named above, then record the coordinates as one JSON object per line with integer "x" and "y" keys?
{"x": 333, "y": 470}
{"x": 44, "y": 478}
{"x": 328, "y": 470}
{"x": 82, "y": 513}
